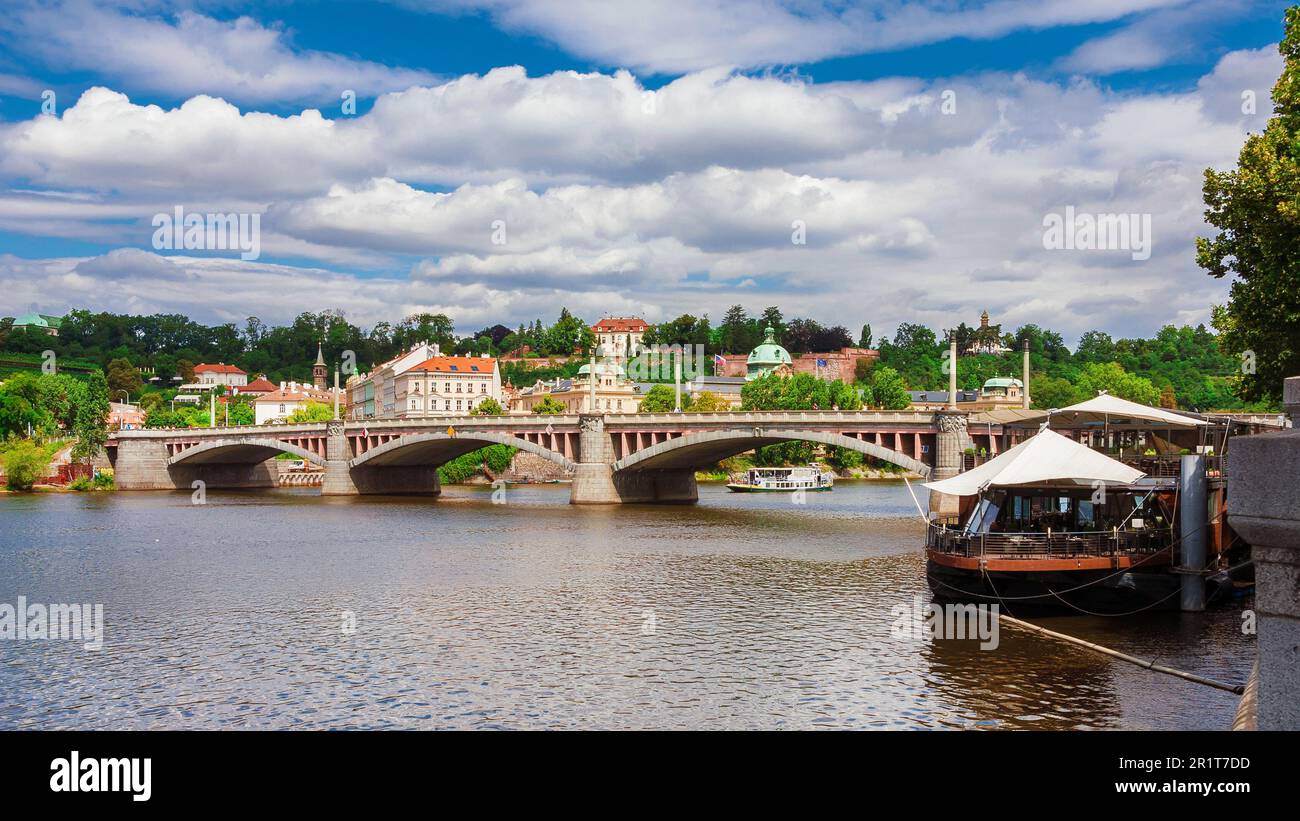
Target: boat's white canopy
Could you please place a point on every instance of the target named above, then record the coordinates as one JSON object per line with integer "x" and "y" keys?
{"x": 1046, "y": 459}
{"x": 1114, "y": 412}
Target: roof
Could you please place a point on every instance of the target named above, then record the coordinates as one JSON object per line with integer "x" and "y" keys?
{"x": 769, "y": 352}
{"x": 259, "y": 385}
{"x": 302, "y": 394}
{"x": 621, "y": 323}
{"x": 456, "y": 364}
{"x": 1111, "y": 411}
{"x": 220, "y": 367}
{"x": 1046, "y": 459}
{"x": 932, "y": 397}
{"x": 1003, "y": 382}
{"x": 39, "y": 320}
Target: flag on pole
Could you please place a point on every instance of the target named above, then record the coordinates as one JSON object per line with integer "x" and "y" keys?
{"x": 821, "y": 363}
{"x": 719, "y": 364}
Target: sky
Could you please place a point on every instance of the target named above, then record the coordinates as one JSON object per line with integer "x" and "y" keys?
{"x": 495, "y": 160}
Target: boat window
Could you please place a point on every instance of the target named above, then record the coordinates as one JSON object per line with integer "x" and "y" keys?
{"x": 1087, "y": 516}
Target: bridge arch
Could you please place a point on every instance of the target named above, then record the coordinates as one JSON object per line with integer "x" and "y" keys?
{"x": 241, "y": 451}
{"x": 439, "y": 448}
{"x": 697, "y": 449}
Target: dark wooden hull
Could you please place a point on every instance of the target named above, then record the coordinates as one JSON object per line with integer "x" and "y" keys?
{"x": 1106, "y": 590}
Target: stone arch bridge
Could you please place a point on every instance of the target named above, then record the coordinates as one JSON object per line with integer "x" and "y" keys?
{"x": 613, "y": 457}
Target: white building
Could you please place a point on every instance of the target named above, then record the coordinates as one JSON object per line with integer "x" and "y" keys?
{"x": 619, "y": 337}
{"x": 219, "y": 374}
{"x": 278, "y": 405}
{"x": 373, "y": 395}
{"x": 442, "y": 385}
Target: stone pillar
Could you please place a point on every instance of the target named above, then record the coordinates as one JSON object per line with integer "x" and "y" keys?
{"x": 338, "y": 476}
{"x": 142, "y": 465}
{"x": 948, "y": 445}
{"x": 1024, "y": 392}
{"x": 593, "y": 476}
{"x": 1264, "y": 509}
{"x": 952, "y": 372}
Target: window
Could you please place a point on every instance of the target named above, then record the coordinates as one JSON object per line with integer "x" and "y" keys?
{"x": 482, "y": 387}
{"x": 282, "y": 408}
{"x": 458, "y": 389}
{"x": 447, "y": 388}
{"x": 412, "y": 404}
{"x": 458, "y": 404}
{"x": 433, "y": 404}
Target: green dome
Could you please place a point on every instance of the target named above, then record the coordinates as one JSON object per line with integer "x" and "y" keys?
{"x": 767, "y": 356}
{"x": 1002, "y": 382}
{"x": 604, "y": 369}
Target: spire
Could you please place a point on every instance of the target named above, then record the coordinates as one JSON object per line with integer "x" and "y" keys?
{"x": 769, "y": 337}
{"x": 320, "y": 355}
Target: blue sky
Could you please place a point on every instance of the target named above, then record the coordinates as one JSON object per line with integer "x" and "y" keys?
{"x": 649, "y": 159}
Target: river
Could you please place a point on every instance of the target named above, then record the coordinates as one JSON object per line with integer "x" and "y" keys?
{"x": 283, "y": 609}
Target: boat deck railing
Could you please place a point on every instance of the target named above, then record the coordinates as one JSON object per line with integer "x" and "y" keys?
{"x": 946, "y": 538}
{"x": 1168, "y": 467}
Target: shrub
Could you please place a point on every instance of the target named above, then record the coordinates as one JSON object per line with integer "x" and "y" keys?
{"x": 25, "y": 464}
{"x": 81, "y": 484}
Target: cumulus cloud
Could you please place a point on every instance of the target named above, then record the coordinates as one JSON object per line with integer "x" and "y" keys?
{"x": 612, "y": 200}
{"x": 190, "y": 53}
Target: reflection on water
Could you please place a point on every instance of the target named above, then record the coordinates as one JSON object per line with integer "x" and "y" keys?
{"x": 744, "y": 611}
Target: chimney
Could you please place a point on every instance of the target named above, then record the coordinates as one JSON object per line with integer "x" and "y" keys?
{"x": 1024, "y": 390}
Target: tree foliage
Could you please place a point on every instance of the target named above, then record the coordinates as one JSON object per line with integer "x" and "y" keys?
{"x": 1256, "y": 208}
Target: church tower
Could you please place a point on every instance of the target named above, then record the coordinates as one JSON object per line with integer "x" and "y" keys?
{"x": 318, "y": 370}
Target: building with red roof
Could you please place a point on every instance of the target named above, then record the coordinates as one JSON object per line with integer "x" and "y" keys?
{"x": 219, "y": 374}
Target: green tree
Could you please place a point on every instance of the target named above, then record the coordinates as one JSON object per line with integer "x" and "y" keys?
{"x": 661, "y": 399}
{"x": 489, "y": 407}
{"x": 549, "y": 406}
{"x": 1113, "y": 379}
{"x": 705, "y": 402}
{"x": 311, "y": 412}
{"x": 91, "y": 423}
{"x": 887, "y": 389}
{"x": 864, "y": 339}
{"x": 122, "y": 376}
{"x": 1256, "y": 208}
{"x": 25, "y": 464}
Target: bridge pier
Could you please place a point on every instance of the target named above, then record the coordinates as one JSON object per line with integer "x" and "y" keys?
{"x": 341, "y": 479}
{"x": 142, "y": 465}
{"x": 593, "y": 475}
{"x": 338, "y": 475}
{"x": 949, "y": 441}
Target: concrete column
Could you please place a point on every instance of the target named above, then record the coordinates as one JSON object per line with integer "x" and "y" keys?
{"x": 142, "y": 465}
{"x": 1025, "y": 376}
{"x": 593, "y": 476}
{"x": 948, "y": 444}
{"x": 952, "y": 372}
{"x": 338, "y": 476}
{"x": 1264, "y": 509}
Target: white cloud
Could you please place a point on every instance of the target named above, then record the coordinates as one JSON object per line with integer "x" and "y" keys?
{"x": 189, "y": 53}
{"x": 911, "y": 213}
{"x": 675, "y": 36}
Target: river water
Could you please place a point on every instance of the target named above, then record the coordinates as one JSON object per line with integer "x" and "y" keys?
{"x": 283, "y": 609}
